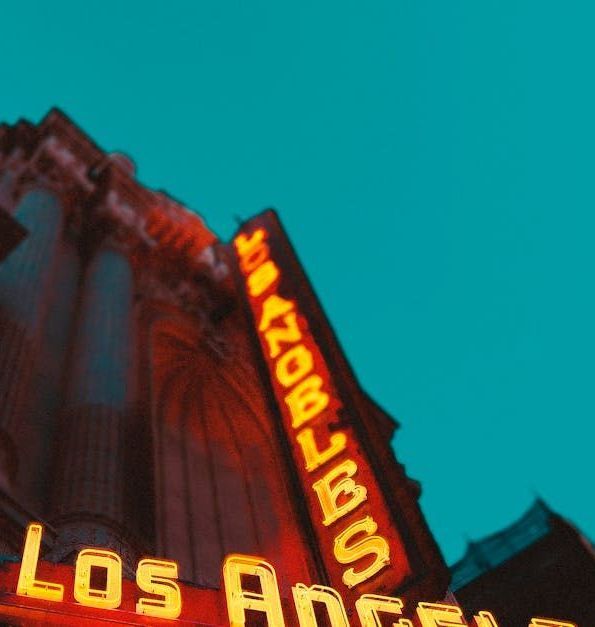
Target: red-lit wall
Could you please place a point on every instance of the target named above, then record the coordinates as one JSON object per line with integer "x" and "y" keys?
{"x": 136, "y": 409}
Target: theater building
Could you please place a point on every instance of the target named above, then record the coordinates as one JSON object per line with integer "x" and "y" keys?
{"x": 143, "y": 410}
{"x": 168, "y": 396}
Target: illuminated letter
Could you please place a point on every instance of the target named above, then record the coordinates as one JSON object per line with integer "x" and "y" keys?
{"x": 440, "y": 615}
{"x": 485, "y": 619}
{"x": 27, "y": 584}
{"x": 549, "y": 622}
{"x": 306, "y": 400}
{"x": 273, "y": 307}
{"x": 371, "y": 545}
{"x": 245, "y": 244}
{"x": 240, "y": 600}
{"x": 293, "y": 365}
{"x": 289, "y": 333}
{"x": 155, "y": 577}
{"x": 315, "y": 458}
{"x": 253, "y": 251}
{"x": 368, "y": 606}
{"x": 329, "y": 496}
{"x": 304, "y": 604}
{"x": 111, "y": 597}
{"x": 262, "y": 278}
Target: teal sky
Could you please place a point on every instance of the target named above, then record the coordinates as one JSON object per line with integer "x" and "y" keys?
{"x": 433, "y": 163}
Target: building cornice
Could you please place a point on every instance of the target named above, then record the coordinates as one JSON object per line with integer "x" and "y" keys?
{"x": 103, "y": 200}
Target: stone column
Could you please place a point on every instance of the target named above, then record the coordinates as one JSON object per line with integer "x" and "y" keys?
{"x": 89, "y": 482}
{"x": 24, "y": 285}
{"x": 37, "y": 425}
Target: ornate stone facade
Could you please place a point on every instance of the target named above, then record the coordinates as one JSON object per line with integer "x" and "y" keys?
{"x": 135, "y": 412}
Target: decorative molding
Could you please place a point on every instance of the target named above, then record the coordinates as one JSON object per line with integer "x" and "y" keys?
{"x": 102, "y": 198}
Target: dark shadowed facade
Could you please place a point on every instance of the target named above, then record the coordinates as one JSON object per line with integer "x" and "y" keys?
{"x": 539, "y": 566}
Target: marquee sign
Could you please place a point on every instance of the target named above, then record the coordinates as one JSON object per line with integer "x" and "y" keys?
{"x": 35, "y": 592}
{"x": 356, "y": 535}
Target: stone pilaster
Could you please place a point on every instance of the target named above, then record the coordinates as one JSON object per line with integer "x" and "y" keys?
{"x": 90, "y": 477}
{"x": 37, "y": 425}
